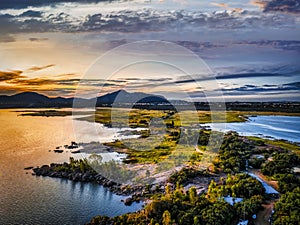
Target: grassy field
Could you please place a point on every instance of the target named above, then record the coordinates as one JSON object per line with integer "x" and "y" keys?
{"x": 165, "y": 127}
{"x": 279, "y": 143}
{"x": 141, "y": 117}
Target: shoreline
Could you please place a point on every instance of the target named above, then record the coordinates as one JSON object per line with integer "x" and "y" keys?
{"x": 134, "y": 193}
{"x": 131, "y": 193}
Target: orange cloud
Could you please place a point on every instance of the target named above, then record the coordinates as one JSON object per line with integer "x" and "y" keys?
{"x": 226, "y": 6}
{"x": 261, "y": 4}
{"x": 223, "y": 5}
{"x": 38, "y": 68}
{"x": 6, "y": 76}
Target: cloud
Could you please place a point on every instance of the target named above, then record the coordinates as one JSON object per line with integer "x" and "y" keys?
{"x": 7, "y": 38}
{"x": 186, "y": 79}
{"x": 253, "y": 89}
{"x": 8, "y": 25}
{"x": 19, "y": 4}
{"x": 7, "y": 76}
{"x": 278, "y": 44}
{"x": 141, "y": 21}
{"x": 15, "y": 81}
{"x": 289, "y": 6}
{"x": 38, "y": 39}
{"x": 38, "y": 68}
{"x": 31, "y": 13}
{"x": 222, "y": 5}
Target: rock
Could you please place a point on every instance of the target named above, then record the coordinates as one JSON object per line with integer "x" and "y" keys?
{"x": 28, "y": 168}
{"x": 128, "y": 201}
{"x": 85, "y": 177}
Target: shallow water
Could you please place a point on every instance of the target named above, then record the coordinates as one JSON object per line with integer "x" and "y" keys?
{"x": 278, "y": 127}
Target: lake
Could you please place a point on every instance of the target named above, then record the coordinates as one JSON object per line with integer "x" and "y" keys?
{"x": 277, "y": 127}
{"x": 27, "y": 199}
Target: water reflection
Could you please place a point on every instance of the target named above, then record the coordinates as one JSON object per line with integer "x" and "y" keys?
{"x": 26, "y": 199}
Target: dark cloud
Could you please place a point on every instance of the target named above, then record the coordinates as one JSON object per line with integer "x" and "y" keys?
{"x": 37, "y": 68}
{"x": 279, "y": 44}
{"x": 295, "y": 85}
{"x": 290, "y": 6}
{"x": 252, "y": 89}
{"x": 247, "y": 75}
{"x": 142, "y": 20}
{"x": 31, "y": 13}
{"x": 37, "y": 39}
{"x": 19, "y": 4}
{"x": 186, "y": 79}
{"x": 33, "y": 82}
{"x": 127, "y": 21}
{"x": 8, "y": 28}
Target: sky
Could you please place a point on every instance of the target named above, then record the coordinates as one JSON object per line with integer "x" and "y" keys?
{"x": 248, "y": 50}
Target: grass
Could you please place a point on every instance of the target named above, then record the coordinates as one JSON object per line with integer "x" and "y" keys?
{"x": 165, "y": 126}
{"x": 145, "y": 150}
{"x": 279, "y": 143}
{"x": 119, "y": 117}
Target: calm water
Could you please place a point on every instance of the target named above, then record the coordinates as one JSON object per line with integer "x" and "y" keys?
{"x": 26, "y": 199}
{"x": 278, "y": 127}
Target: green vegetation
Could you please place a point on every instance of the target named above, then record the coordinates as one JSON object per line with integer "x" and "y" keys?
{"x": 240, "y": 185}
{"x": 287, "y": 209}
{"x": 184, "y": 175}
{"x": 177, "y": 207}
{"x": 278, "y": 143}
{"x": 119, "y": 117}
{"x": 76, "y": 166}
{"x": 287, "y": 182}
{"x": 180, "y": 207}
{"x": 112, "y": 169}
{"x": 281, "y": 163}
{"x": 233, "y": 154}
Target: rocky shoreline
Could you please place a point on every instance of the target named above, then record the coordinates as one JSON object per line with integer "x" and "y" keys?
{"x": 136, "y": 193}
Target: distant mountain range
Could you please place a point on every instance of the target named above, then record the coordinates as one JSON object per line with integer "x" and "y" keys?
{"x": 35, "y": 100}
{"x": 141, "y": 100}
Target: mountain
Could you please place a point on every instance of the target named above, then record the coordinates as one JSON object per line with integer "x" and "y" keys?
{"x": 35, "y": 100}
{"x": 122, "y": 96}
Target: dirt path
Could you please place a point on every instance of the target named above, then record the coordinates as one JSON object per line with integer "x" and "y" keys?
{"x": 264, "y": 215}
{"x": 258, "y": 173}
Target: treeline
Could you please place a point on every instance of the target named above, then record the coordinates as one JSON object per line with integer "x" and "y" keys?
{"x": 189, "y": 207}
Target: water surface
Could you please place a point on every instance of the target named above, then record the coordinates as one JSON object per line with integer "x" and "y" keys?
{"x": 27, "y": 199}
{"x": 277, "y": 127}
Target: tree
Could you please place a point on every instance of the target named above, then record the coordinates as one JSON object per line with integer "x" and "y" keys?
{"x": 193, "y": 195}
{"x": 248, "y": 207}
{"x": 287, "y": 209}
{"x": 166, "y": 218}
{"x": 220, "y": 213}
{"x": 168, "y": 190}
{"x": 212, "y": 193}
{"x": 82, "y": 167}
